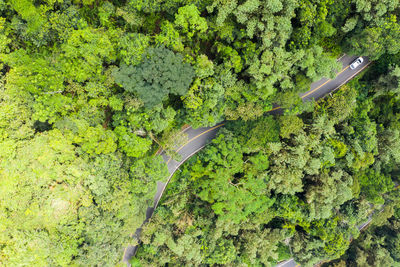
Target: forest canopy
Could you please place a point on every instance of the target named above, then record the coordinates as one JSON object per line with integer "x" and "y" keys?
{"x": 91, "y": 89}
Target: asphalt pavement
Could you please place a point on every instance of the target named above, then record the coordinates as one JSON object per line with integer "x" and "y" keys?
{"x": 323, "y": 87}
{"x": 198, "y": 138}
{"x": 288, "y": 263}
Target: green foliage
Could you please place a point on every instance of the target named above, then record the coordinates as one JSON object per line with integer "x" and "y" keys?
{"x": 342, "y": 104}
{"x": 34, "y": 73}
{"x": 116, "y": 103}
{"x": 377, "y": 246}
{"x": 170, "y": 37}
{"x": 311, "y": 14}
{"x": 374, "y": 184}
{"x": 379, "y": 39}
{"x": 132, "y": 46}
{"x": 162, "y": 72}
{"x": 84, "y": 53}
{"x": 15, "y": 114}
{"x": 92, "y": 140}
{"x": 30, "y": 13}
{"x": 328, "y": 192}
{"x": 290, "y": 125}
{"x": 339, "y": 148}
{"x": 96, "y": 140}
{"x": 189, "y": 22}
{"x": 144, "y": 172}
{"x": 130, "y": 143}
{"x": 60, "y": 199}
{"x": 51, "y": 107}
{"x": 77, "y": 162}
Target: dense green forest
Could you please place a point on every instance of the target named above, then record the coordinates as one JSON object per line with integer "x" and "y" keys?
{"x": 379, "y": 245}
{"x": 91, "y": 89}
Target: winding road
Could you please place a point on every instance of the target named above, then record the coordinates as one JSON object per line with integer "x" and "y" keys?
{"x": 198, "y": 138}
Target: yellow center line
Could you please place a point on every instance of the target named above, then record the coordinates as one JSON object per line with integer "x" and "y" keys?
{"x": 274, "y": 109}
{"x": 197, "y": 136}
{"x": 312, "y": 91}
{"x": 182, "y": 131}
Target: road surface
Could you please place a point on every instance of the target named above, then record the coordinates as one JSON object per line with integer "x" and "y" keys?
{"x": 198, "y": 138}
{"x": 288, "y": 263}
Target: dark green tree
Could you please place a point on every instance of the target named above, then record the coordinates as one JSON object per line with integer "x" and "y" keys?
{"x": 161, "y": 73}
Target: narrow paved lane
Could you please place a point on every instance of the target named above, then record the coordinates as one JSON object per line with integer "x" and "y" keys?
{"x": 198, "y": 138}
{"x": 325, "y": 86}
{"x": 288, "y": 263}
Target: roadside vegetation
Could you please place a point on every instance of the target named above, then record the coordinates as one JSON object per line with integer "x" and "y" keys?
{"x": 91, "y": 89}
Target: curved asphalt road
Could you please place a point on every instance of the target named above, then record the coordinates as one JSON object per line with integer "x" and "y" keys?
{"x": 198, "y": 138}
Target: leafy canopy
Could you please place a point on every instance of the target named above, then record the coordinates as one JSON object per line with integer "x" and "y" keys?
{"x": 162, "y": 72}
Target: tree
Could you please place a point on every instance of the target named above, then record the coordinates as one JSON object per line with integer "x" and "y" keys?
{"x": 255, "y": 135}
{"x": 204, "y": 101}
{"x": 189, "y": 22}
{"x": 376, "y": 40}
{"x": 377, "y": 246}
{"x": 66, "y": 209}
{"x": 374, "y": 184}
{"x": 172, "y": 140}
{"x": 260, "y": 246}
{"x": 86, "y": 86}
{"x": 34, "y": 73}
{"x": 290, "y": 125}
{"x": 130, "y": 143}
{"x": 145, "y": 173}
{"x": 132, "y": 46}
{"x": 327, "y": 192}
{"x": 92, "y": 140}
{"x": 84, "y": 52}
{"x": 341, "y": 105}
{"x": 16, "y": 121}
{"x": 388, "y": 84}
{"x": 162, "y": 72}
{"x": 325, "y": 241}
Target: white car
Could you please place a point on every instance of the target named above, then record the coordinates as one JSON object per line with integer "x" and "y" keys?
{"x": 356, "y": 63}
